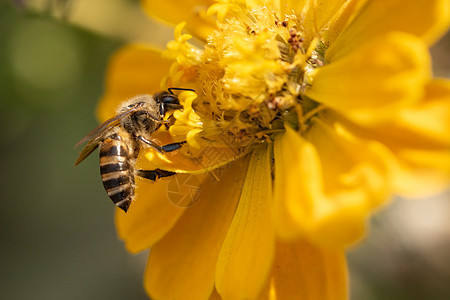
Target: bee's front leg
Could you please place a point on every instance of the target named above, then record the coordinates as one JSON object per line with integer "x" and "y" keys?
{"x": 161, "y": 149}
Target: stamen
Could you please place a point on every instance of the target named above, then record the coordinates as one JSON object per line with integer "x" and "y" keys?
{"x": 312, "y": 112}
{"x": 253, "y": 72}
{"x": 299, "y": 111}
{"x": 312, "y": 47}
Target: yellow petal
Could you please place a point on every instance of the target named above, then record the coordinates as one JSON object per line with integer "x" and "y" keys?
{"x": 430, "y": 118}
{"x": 190, "y": 11}
{"x": 326, "y": 192}
{"x": 288, "y": 6}
{"x": 150, "y": 216}
{"x": 215, "y": 296}
{"x": 246, "y": 256}
{"x": 376, "y": 81}
{"x": 182, "y": 265}
{"x": 426, "y": 19}
{"x": 318, "y": 14}
{"x": 326, "y": 10}
{"x": 421, "y": 173}
{"x": 341, "y": 19}
{"x": 133, "y": 70}
{"x": 303, "y": 271}
{"x": 419, "y": 140}
{"x": 294, "y": 158}
{"x": 426, "y": 125}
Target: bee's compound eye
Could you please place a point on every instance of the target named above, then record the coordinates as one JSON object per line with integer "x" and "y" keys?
{"x": 169, "y": 99}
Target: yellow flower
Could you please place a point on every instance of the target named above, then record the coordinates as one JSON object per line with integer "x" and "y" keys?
{"x": 311, "y": 114}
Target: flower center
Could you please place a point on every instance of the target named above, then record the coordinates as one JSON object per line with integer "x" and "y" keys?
{"x": 253, "y": 72}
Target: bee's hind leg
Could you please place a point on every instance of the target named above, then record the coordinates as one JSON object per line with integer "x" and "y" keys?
{"x": 154, "y": 174}
{"x": 161, "y": 149}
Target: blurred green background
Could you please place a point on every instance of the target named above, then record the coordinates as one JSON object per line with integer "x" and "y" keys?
{"x": 57, "y": 238}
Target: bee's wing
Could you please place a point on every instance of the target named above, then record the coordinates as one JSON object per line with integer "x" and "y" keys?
{"x": 95, "y": 136}
{"x": 86, "y": 151}
{"x": 98, "y": 131}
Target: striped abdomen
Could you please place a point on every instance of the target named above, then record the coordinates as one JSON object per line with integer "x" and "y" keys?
{"x": 116, "y": 169}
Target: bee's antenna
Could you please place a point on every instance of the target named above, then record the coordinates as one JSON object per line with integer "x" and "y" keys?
{"x": 179, "y": 89}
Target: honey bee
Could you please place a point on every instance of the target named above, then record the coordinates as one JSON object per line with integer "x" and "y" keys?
{"x": 120, "y": 139}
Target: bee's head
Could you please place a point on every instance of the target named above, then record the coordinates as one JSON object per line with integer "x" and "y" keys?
{"x": 167, "y": 101}
{"x": 146, "y": 112}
